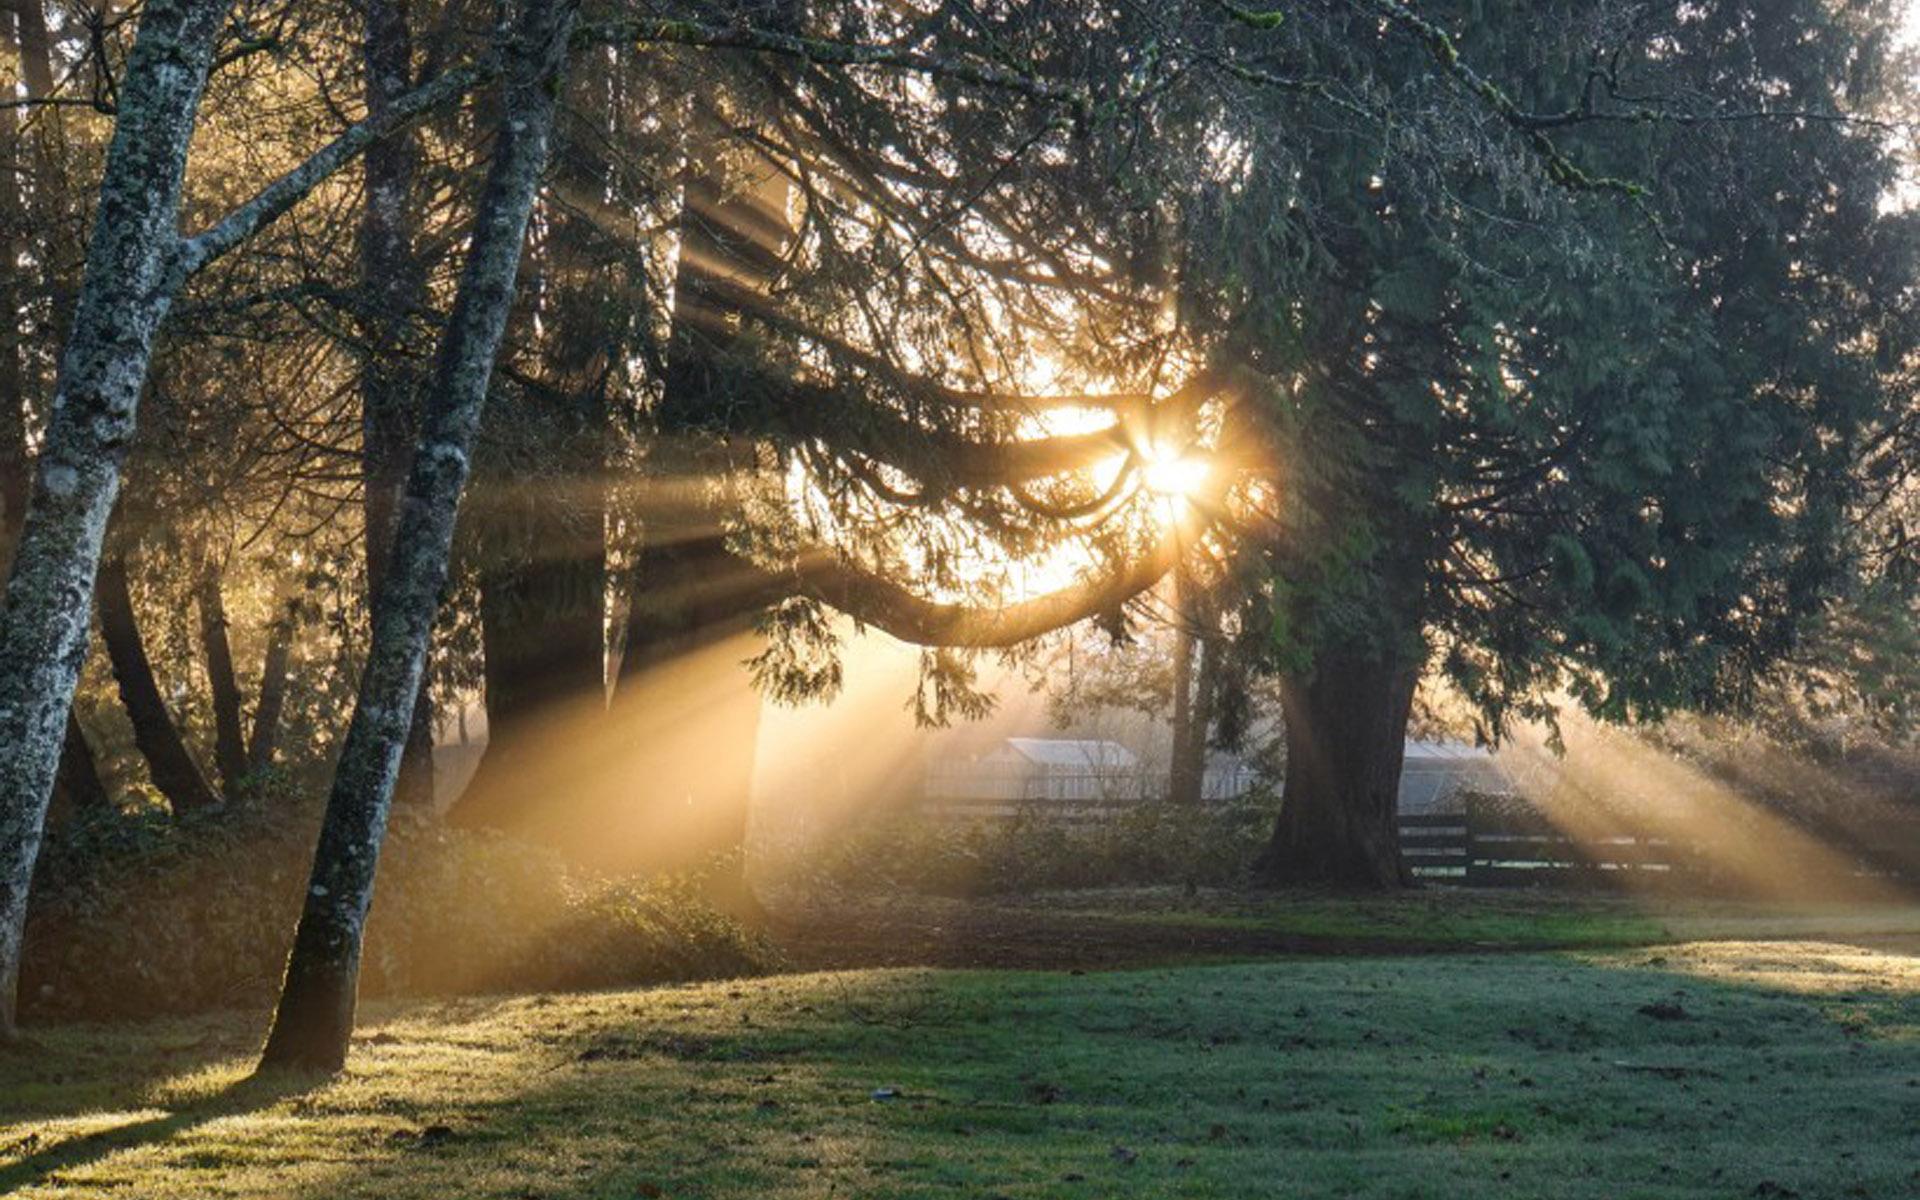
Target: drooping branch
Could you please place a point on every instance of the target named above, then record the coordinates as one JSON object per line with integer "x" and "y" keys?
{"x": 941, "y": 459}
{"x": 876, "y": 600}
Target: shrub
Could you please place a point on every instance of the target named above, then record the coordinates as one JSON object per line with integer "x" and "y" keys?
{"x": 1148, "y": 844}
{"x": 136, "y": 915}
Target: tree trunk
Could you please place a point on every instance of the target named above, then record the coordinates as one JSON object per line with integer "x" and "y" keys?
{"x": 229, "y": 743}
{"x": 1180, "y": 789}
{"x": 1346, "y": 739}
{"x": 273, "y": 692}
{"x": 1193, "y": 736}
{"x": 132, "y": 264}
{"x": 313, "y": 1023}
{"x": 543, "y": 633}
{"x": 169, "y": 761}
{"x": 77, "y": 783}
{"x": 394, "y": 289}
{"x": 77, "y": 789}
{"x": 686, "y": 703}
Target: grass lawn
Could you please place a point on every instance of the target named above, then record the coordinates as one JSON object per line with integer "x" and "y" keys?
{"x": 1121, "y": 927}
{"x": 1759, "y": 1069}
{"x": 1509, "y": 918}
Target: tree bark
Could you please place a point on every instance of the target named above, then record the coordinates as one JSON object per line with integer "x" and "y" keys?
{"x": 265, "y": 736}
{"x": 1346, "y": 740}
{"x": 132, "y": 276}
{"x": 394, "y": 289}
{"x": 313, "y": 1023}
{"x": 229, "y": 743}
{"x": 77, "y": 782}
{"x": 169, "y": 762}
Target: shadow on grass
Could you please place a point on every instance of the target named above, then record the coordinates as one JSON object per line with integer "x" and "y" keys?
{"x": 1709, "y": 1071}
{"x": 244, "y": 1096}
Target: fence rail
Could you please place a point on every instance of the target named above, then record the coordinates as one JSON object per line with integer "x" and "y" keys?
{"x": 1491, "y": 846}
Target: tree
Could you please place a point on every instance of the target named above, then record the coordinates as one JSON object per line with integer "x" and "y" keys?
{"x": 1489, "y": 443}
{"x": 137, "y": 262}
{"x": 26, "y": 212}
{"x": 169, "y": 762}
{"x": 313, "y": 1022}
{"x": 230, "y": 747}
{"x": 129, "y": 284}
{"x": 394, "y": 286}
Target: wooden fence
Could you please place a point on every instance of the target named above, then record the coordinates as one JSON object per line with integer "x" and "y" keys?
{"x": 1492, "y": 845}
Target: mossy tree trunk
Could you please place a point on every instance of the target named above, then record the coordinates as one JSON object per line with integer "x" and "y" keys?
{"x": 23, "y": 28}
{"x": 393, "y": 289}
{"x": 313, "y": 1022}
{"x": 134, "y": 268}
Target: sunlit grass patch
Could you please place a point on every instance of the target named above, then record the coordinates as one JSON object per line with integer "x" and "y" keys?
{"x": 1693, "y": 1070}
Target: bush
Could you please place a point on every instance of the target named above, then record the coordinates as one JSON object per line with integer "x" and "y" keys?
{"x": 1148, "y": 844}
{"x": 138, "y": 915}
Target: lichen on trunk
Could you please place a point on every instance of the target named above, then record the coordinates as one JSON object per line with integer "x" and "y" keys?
{"x": 313, "y": 1023}
{"x": 133, "y": 272}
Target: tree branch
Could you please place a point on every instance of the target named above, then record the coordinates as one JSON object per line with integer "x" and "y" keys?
{"x": 273, "y": 200}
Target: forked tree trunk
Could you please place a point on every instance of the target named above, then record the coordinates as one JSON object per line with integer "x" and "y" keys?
{"x": 1346, "y": 739}
{"x": 169, "y": 762}
{"x": 131, "y": 278}
{"x": 273, "y": 692}
{"x": 313, "y": 1023}
{"x": 229, "y": 743}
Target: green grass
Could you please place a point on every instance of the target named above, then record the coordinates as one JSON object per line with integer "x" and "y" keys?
{"x": 1796, "y": 1070}
{"x": 1456, "y": 918}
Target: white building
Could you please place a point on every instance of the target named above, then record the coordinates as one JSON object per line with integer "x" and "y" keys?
{"x": 1437, "y": 776}
{"x": 1062, "y": 776}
